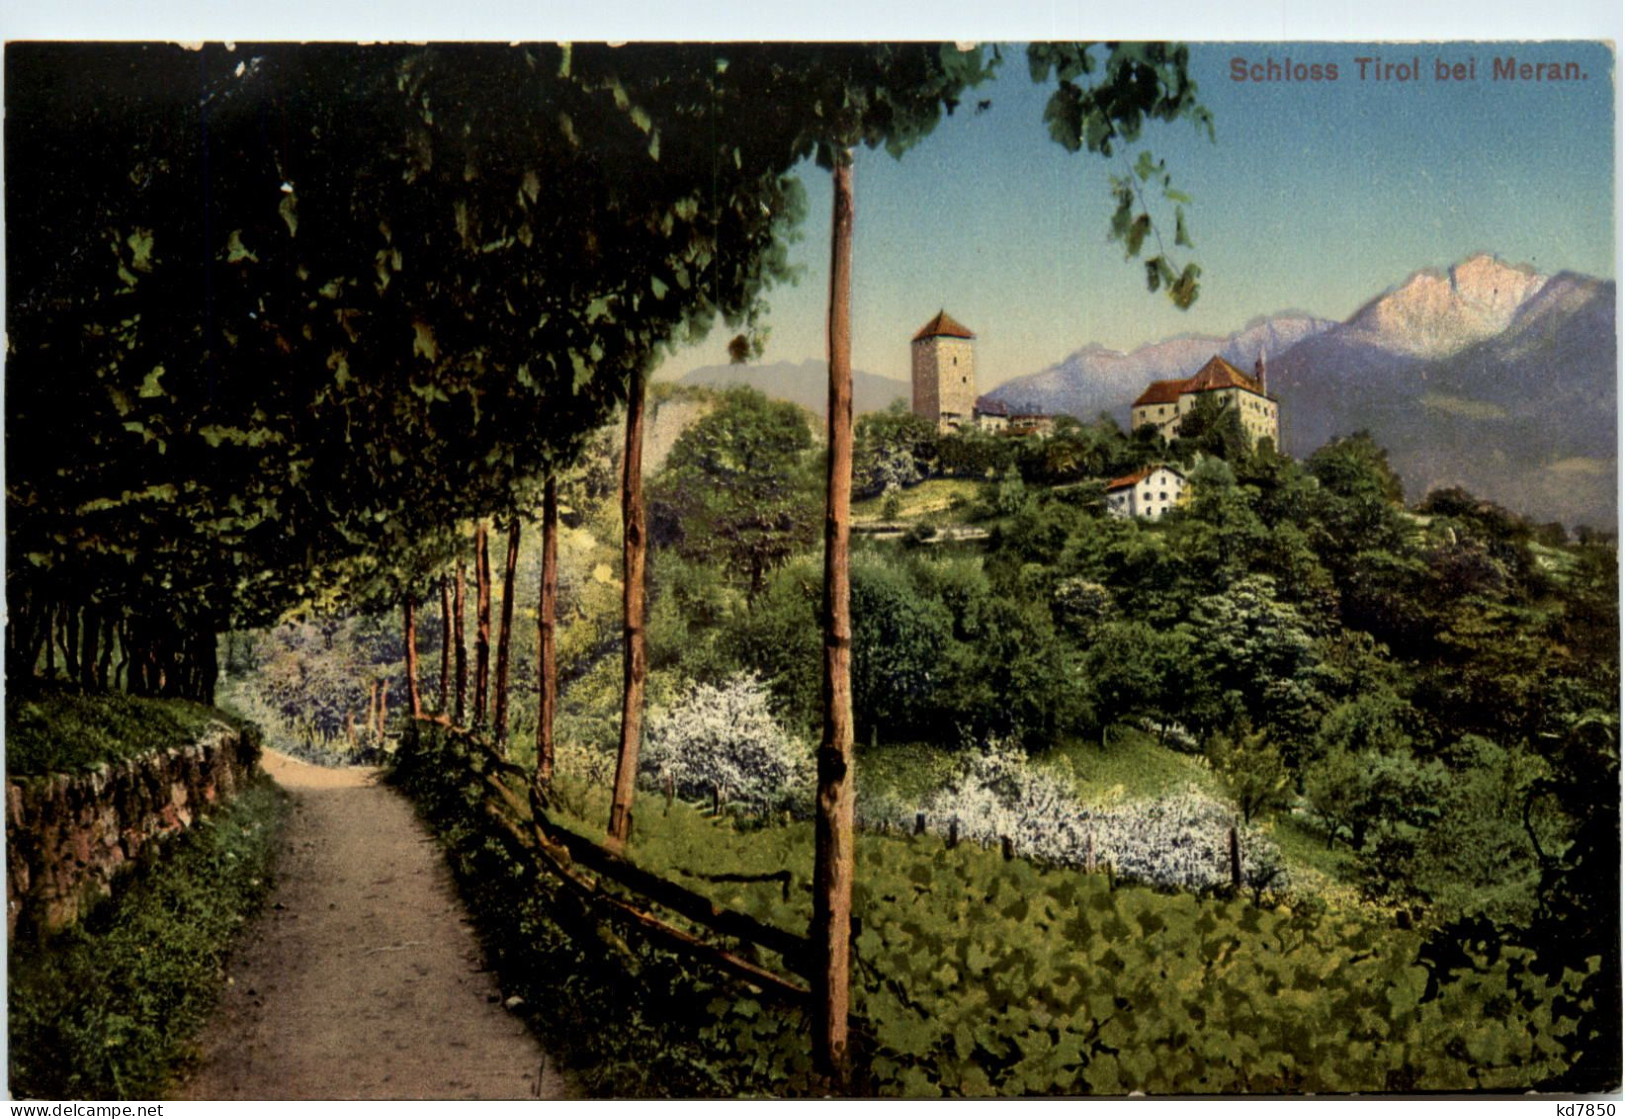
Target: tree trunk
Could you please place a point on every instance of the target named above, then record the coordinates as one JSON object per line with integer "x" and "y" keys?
{"x": 505, "y": 638}
{"x": 104, "y": 666}
{"x": 372, "y": 708}
{"x": 36, "y": 632}
{"x": 89, "y": 629}
{"x": 70, "y": 641}
{"x": 459, "y": 647}
{"x": 383, "y": 709}
{"x": 124, "y": 674}
{"x": 482, "y": 622}
{"x": 208, "y": 663}
{"x": 547, "y": 682}
{"x": 445, "y": 644}
{"x": 634, "y": 657}
{"x": 410, "y": 613}
{"x": 833, "y": 863}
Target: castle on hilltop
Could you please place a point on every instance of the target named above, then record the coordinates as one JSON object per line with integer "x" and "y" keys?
{"x": 944, "y": 383}
{"x": 1165, "y": 403}
{"x": 1152, "y": 491}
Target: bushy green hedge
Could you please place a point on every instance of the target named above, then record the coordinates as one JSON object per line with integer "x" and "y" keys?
{"x": 106, "y": 1010}
{"x": 63, "y": 730}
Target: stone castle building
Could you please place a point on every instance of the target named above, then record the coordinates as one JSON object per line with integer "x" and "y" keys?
{"x": 1165, "y": 403}
{"x": 944, "y": 367}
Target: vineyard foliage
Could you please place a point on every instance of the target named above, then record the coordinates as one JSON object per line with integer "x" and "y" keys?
{"x": 983, "y": 975}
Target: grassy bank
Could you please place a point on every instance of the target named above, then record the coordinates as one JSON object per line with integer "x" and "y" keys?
{"x": 107, "y": 1010}
{"x": 63, "y": 730}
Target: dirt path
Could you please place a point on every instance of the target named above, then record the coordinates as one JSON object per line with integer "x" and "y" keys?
{"x": 363, "y": 978}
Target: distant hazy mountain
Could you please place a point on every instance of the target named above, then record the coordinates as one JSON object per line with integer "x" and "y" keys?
{"x": 806, "y": 384}
{"x": 1485, "y": 375}
{"x": 1096, "y": 379}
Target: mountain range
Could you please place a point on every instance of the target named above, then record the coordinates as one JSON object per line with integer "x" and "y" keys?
{"x": 1485, "y": 375}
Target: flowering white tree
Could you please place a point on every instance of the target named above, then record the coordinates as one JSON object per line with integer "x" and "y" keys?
{"x": 724, "y": 739}
{"x": 1180, "y": 840}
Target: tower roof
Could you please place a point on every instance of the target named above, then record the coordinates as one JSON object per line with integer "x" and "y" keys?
{"x": 943, "y": 325}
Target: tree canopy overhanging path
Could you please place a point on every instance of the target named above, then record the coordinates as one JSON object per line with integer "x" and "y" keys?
{"x": 363, "y": 979}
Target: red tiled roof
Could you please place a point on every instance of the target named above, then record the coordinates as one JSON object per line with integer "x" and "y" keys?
{"x": 1140, "y": 475}
{"x": 1220, "y": 374}
{"x": 1162, "y": 392}
{"x": 942, "y": 325}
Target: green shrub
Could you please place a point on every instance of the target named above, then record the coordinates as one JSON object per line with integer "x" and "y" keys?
{"x": 62, "y": 730}
{"x": 106, "y": 1010}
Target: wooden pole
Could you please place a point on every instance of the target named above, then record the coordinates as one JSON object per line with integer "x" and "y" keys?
{"x": 635, "y": 652}
{"x": 547, "y": 634}
{"x": 445, "y": 644}
{"x": 414, "y": 697}
{"x": 459, "y": 648}
{"x": 482, "y": 622}
{"x": 834, "y": 854}
{"x": 499, "y": 720}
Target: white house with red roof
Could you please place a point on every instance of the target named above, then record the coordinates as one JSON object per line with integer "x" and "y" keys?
{"x": 1165, "y": 403}
{"x": 1149, "y": 492}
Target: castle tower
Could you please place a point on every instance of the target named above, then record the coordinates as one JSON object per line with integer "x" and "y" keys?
{"x": 944, "y": 364}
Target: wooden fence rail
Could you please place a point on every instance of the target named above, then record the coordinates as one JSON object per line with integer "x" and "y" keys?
{"x": 557, "y": 851}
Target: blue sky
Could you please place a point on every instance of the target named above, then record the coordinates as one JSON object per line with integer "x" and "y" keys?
{"x": 1313, "y": 196}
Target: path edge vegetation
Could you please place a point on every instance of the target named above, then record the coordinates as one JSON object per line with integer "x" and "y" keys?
{"x": 111, "y": 1008}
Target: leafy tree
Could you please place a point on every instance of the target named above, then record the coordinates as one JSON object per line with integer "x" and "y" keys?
{"x": 378, "y": 274}
{"x": 1132, "y": 670}
{"x": 723, "y": 742}
{"x": 1478, "y": 859}
{"x": 1219, "y": 534}
{"x": 1363, "y": 778}
{"x": 736, "y": 489}
{"x": 898, "y": 639}
{"x": 892, "y": 450}
{"x": 1211, "y": 429}
{"x": 1252, "y": 768}
{"x": 1244, "y": 638}
{"x": 778, "y": 638}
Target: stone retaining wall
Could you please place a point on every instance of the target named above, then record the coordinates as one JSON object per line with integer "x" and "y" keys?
{"x": 69, "y": 836}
